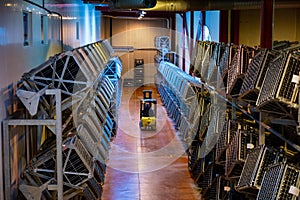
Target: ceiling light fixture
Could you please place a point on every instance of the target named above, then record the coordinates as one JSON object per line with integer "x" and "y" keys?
{"x": 142, "y": 14}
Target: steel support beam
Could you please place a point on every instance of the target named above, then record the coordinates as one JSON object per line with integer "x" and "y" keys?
{"x": 203, "y": 17}
{"x": 58, "y": 130}
{"x": 184, "y": 28}
{"x": 223, "y": 26}
{"x": 6, "y": 161}
{"x": 1, "y": 167}
{"x": 261, "y": 136}
{"x": 34, "y": 122}
{"x": 266, "y": 24}
{"x": 235, "y": 27}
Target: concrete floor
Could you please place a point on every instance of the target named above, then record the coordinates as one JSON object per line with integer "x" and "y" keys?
{"x": 146, "y": 165}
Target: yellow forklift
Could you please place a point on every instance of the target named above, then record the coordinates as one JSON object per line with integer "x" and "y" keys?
{"x": 148, "y": 111}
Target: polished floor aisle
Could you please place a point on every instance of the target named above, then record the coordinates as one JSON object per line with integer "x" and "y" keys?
{"x": 146, "y": 165}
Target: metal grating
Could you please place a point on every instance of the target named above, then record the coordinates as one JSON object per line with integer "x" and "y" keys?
{"x": 77, "y": 168}
{"x": 290, "y": 178}
{"x": 236, "y": 154}
{"x": 277, "y": 182}
{"x": 272, "y": 78}
{"x": 278, "y": 87}
{"x": 210, "y": 61}
{"x": 251, "y": 76}
{"x": 204, "y": 123}
{"x": 91, "y": 93}
{"x": 271, "y": 54}
{"x": 216, "y": 190}
{"x": 194, "y": 163}
{"x": 250, "y": 168}
{"x": 222, "y": 141}
{"x": 214, "y": 129}
{"x": 238, "y": 68}
{"x": 225, "y": 59}
{"x": 95, "y": 188}
{"x": 202, "y": 51}
{"x": 258, "y": 161}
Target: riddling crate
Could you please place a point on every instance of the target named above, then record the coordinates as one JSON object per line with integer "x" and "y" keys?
{"x": 281, "y": 181}
{"x": 162, "y": 42}
{"x": 255, "y": 166}
{"x": 278, "y": 89}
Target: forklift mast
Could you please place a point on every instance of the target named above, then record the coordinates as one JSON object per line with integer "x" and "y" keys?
{"x": 147, "y": 92}
{"x": 148, "y": 111}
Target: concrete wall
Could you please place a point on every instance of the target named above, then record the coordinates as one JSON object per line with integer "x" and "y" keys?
{"x": 249, "y": 27}
{"x": 286, "y": 26}
{"x": 139, "y": 35}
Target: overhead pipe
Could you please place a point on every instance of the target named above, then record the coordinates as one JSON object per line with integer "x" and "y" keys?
{"x": 193, "y": 5}
{"x": 131, "y": 4}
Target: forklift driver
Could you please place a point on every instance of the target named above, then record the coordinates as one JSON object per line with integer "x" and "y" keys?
{"x": 148, "y": 111}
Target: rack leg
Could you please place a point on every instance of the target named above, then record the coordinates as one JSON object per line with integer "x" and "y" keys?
{"x": 58, "y": 130}
{"x": 261, "y": 137}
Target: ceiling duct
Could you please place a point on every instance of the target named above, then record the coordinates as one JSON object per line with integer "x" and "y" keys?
{"x": 192, "y": 5}
{"x": 224, "y": 5}
{"x": 131, "y": 4}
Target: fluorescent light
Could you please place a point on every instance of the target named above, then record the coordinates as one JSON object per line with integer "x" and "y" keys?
{"x": 68, "y": 18}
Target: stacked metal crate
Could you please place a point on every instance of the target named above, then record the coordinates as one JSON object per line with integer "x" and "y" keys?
{"x": 217, "y": 190}
{"x": 208, "y": 176}
{"x": 113, "y": 72}
{"x": 209, "y": 62}
{"x": 222, "y": 144}
{"x": 279, "y": 92}
{"x": 249, "y": 75}
{"x": 199, "y": 115}
{"x": 89, "y": 79}
{"x": 225, "y": 59}
{"x": 255, "y": 75}
{"x": 236, "y": 152}
{"x": 78, "y": 169}
{"x": 180, "y": 94}
{"x": 238, "y": 68}
{"x": 197, "y": 154}
{"x": 201, "y": 54}
{"x": 280, "y": 181}
{"x": 208, "y": 56}
{"x": 257, "y": 162}
{"x": 194, "y": 163}
{"x": 178, "y": 91}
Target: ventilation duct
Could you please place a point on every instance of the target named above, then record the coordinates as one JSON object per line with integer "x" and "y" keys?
{"x": 131, "y": 4}
{"x": 192, "y": 5}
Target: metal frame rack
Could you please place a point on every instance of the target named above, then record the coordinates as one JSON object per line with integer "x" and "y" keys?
{"x": 88, "y": 78}
{"x": 254, "y": 75}
{"x": 164, "y": 53}
{"x": 237, "y": 115}
{"x": 179, "y": 103}
{"x": 256, "y": 165}
{"x": 281, "y": 181}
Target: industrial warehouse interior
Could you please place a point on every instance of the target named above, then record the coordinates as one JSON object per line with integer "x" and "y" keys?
{"x": 150, "y": 99}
